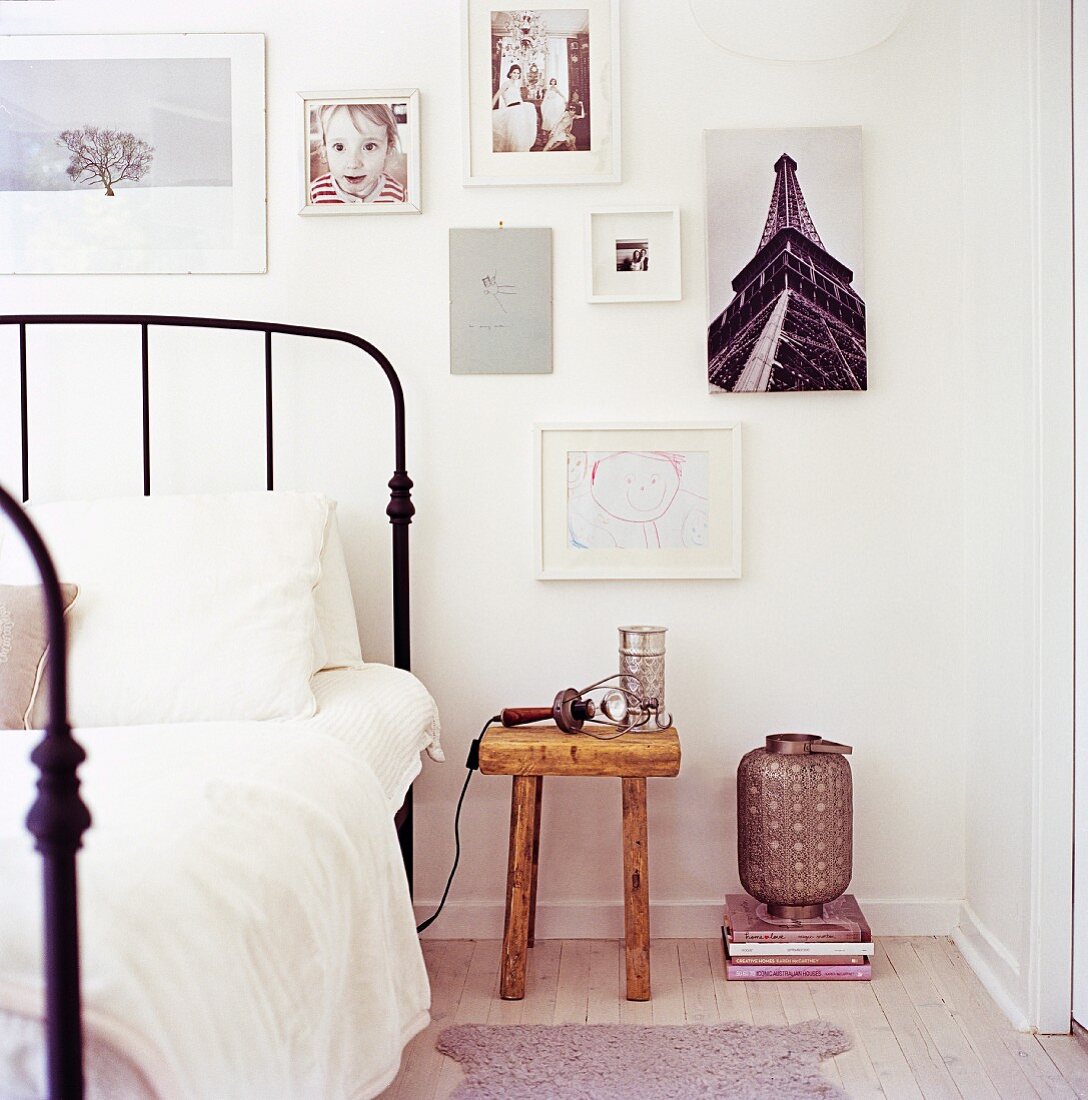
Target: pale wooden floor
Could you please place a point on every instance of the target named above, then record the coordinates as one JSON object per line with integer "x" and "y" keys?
{"x": 924, "y": 1026}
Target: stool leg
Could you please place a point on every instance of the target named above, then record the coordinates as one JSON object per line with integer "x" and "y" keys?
{"x": 536, "y": 859}
{"x": 519, "y": 878}
{"x": 636, "y": 889}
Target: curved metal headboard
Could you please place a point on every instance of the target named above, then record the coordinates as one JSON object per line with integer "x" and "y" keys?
{"x": 400, "y": 509}
{"x": 58, "y": 819}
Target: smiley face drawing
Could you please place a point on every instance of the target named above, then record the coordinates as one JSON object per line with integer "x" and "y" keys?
{"x": 637, "y": 488}
{"x": 695, "y": 531}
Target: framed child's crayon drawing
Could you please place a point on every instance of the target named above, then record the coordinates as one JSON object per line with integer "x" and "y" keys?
{"x": 360, "y": 152}
{"x": 632, "y": 501}
{"x": 541, "y": 92}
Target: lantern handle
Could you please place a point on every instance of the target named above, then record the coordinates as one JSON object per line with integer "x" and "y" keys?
{"x": 829, "y": 746}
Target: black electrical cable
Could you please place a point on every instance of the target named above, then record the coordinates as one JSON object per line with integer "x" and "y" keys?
{"x": 472, "y": 763}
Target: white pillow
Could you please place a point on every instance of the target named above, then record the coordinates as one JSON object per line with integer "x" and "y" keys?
{"x": 192, "y": 608}
{"x": 337, "y": 641}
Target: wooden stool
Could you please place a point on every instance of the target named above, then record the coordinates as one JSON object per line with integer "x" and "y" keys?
{"x": 528, "y": 754}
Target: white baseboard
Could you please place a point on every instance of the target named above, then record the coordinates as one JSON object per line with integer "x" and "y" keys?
{"x": 994, "y": 965}
{"x": 467, "y": 920}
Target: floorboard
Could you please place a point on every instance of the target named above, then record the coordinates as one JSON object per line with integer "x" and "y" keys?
{"x": 923, "y": 1029}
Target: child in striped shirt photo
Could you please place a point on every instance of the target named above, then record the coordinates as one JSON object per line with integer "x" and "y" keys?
{"x": 360, "y": 140}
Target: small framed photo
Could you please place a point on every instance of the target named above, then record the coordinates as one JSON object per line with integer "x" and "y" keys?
{"x": 360, "y": 152}
{"x": 634, "y": 501}
{"x": 633, "y": 254}
{"x": 541, "y": 92}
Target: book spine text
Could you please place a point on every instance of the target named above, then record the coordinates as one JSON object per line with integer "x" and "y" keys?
{"x": 738, "y": 972}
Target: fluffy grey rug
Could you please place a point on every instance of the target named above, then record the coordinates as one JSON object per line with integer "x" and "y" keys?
{"x": 614, "y": 1061}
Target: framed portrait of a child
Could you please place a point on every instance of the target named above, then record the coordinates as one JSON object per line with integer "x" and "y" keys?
{"x": 361, "y": 152}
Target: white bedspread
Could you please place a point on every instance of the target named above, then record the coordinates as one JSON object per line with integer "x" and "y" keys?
{"x": 245, "y": 920}
{"x": 384, "y": 713}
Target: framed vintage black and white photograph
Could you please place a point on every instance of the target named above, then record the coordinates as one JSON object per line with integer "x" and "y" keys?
{"x": 635, "y": 501}
{"x": 633, "y": 254}
{"x": 500, "y": 301}
{"x": 132, "y": 153}
{"x": 361, "y": 152}
{"x": 541, "y": 93}
{"x": 784, "y": 260}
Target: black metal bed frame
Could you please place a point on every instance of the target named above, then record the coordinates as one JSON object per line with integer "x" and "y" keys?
{"x": 58, "y": 817}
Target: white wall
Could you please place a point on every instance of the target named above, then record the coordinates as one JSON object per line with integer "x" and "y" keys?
{"x": 849, "y": 618}
{"x": 1018, "y": 496}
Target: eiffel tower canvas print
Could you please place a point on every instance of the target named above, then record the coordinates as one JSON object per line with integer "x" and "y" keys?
{"x": 784, "y": 257}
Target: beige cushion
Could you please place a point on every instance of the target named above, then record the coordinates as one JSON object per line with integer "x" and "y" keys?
{"x": 23, "y": 645}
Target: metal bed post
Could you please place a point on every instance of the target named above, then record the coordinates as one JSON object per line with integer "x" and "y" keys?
{"x": 24, "y": 436}
{"x": 57, "y": 819}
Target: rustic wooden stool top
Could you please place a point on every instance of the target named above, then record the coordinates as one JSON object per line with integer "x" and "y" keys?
{"x": 529, "y": 753}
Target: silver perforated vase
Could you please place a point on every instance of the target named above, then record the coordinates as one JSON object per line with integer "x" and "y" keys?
{"x": 795, "y": 820}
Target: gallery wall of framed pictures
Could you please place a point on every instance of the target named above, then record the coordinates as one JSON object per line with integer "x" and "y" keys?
{"x": 178, "y": 157}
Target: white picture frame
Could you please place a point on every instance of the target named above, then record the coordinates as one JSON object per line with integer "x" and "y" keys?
{"x": 391, "y": 188}
{"x": 637, "y": 501}
{"x": 574, "y": 42}
{"x": 194, "y": 103}
{"x": 633, "y": 254}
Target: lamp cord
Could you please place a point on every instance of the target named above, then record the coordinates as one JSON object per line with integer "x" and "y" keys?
{"x": 472, "y": 763}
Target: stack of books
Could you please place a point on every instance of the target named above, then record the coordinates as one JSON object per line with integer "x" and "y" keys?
{"x": 759, "y": 948}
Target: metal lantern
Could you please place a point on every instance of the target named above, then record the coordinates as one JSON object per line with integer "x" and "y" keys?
{"x": 795, "y": 822}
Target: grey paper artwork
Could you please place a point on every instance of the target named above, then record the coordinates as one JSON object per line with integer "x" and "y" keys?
{"x": 500, "y": 301}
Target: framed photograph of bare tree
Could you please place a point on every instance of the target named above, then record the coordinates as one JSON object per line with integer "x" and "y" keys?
{"x": 542, "y": 92}
{"x": 361, "y": 152}
{"x": 132, "y": 153}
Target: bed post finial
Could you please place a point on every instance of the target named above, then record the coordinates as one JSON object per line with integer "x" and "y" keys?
{"x": 401, "y": 509}
{"x": 400, "y": 512}
{"x": 58, "y": 818}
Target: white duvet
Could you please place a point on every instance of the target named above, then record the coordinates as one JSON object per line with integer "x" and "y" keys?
{"x": 245, "y": 919}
